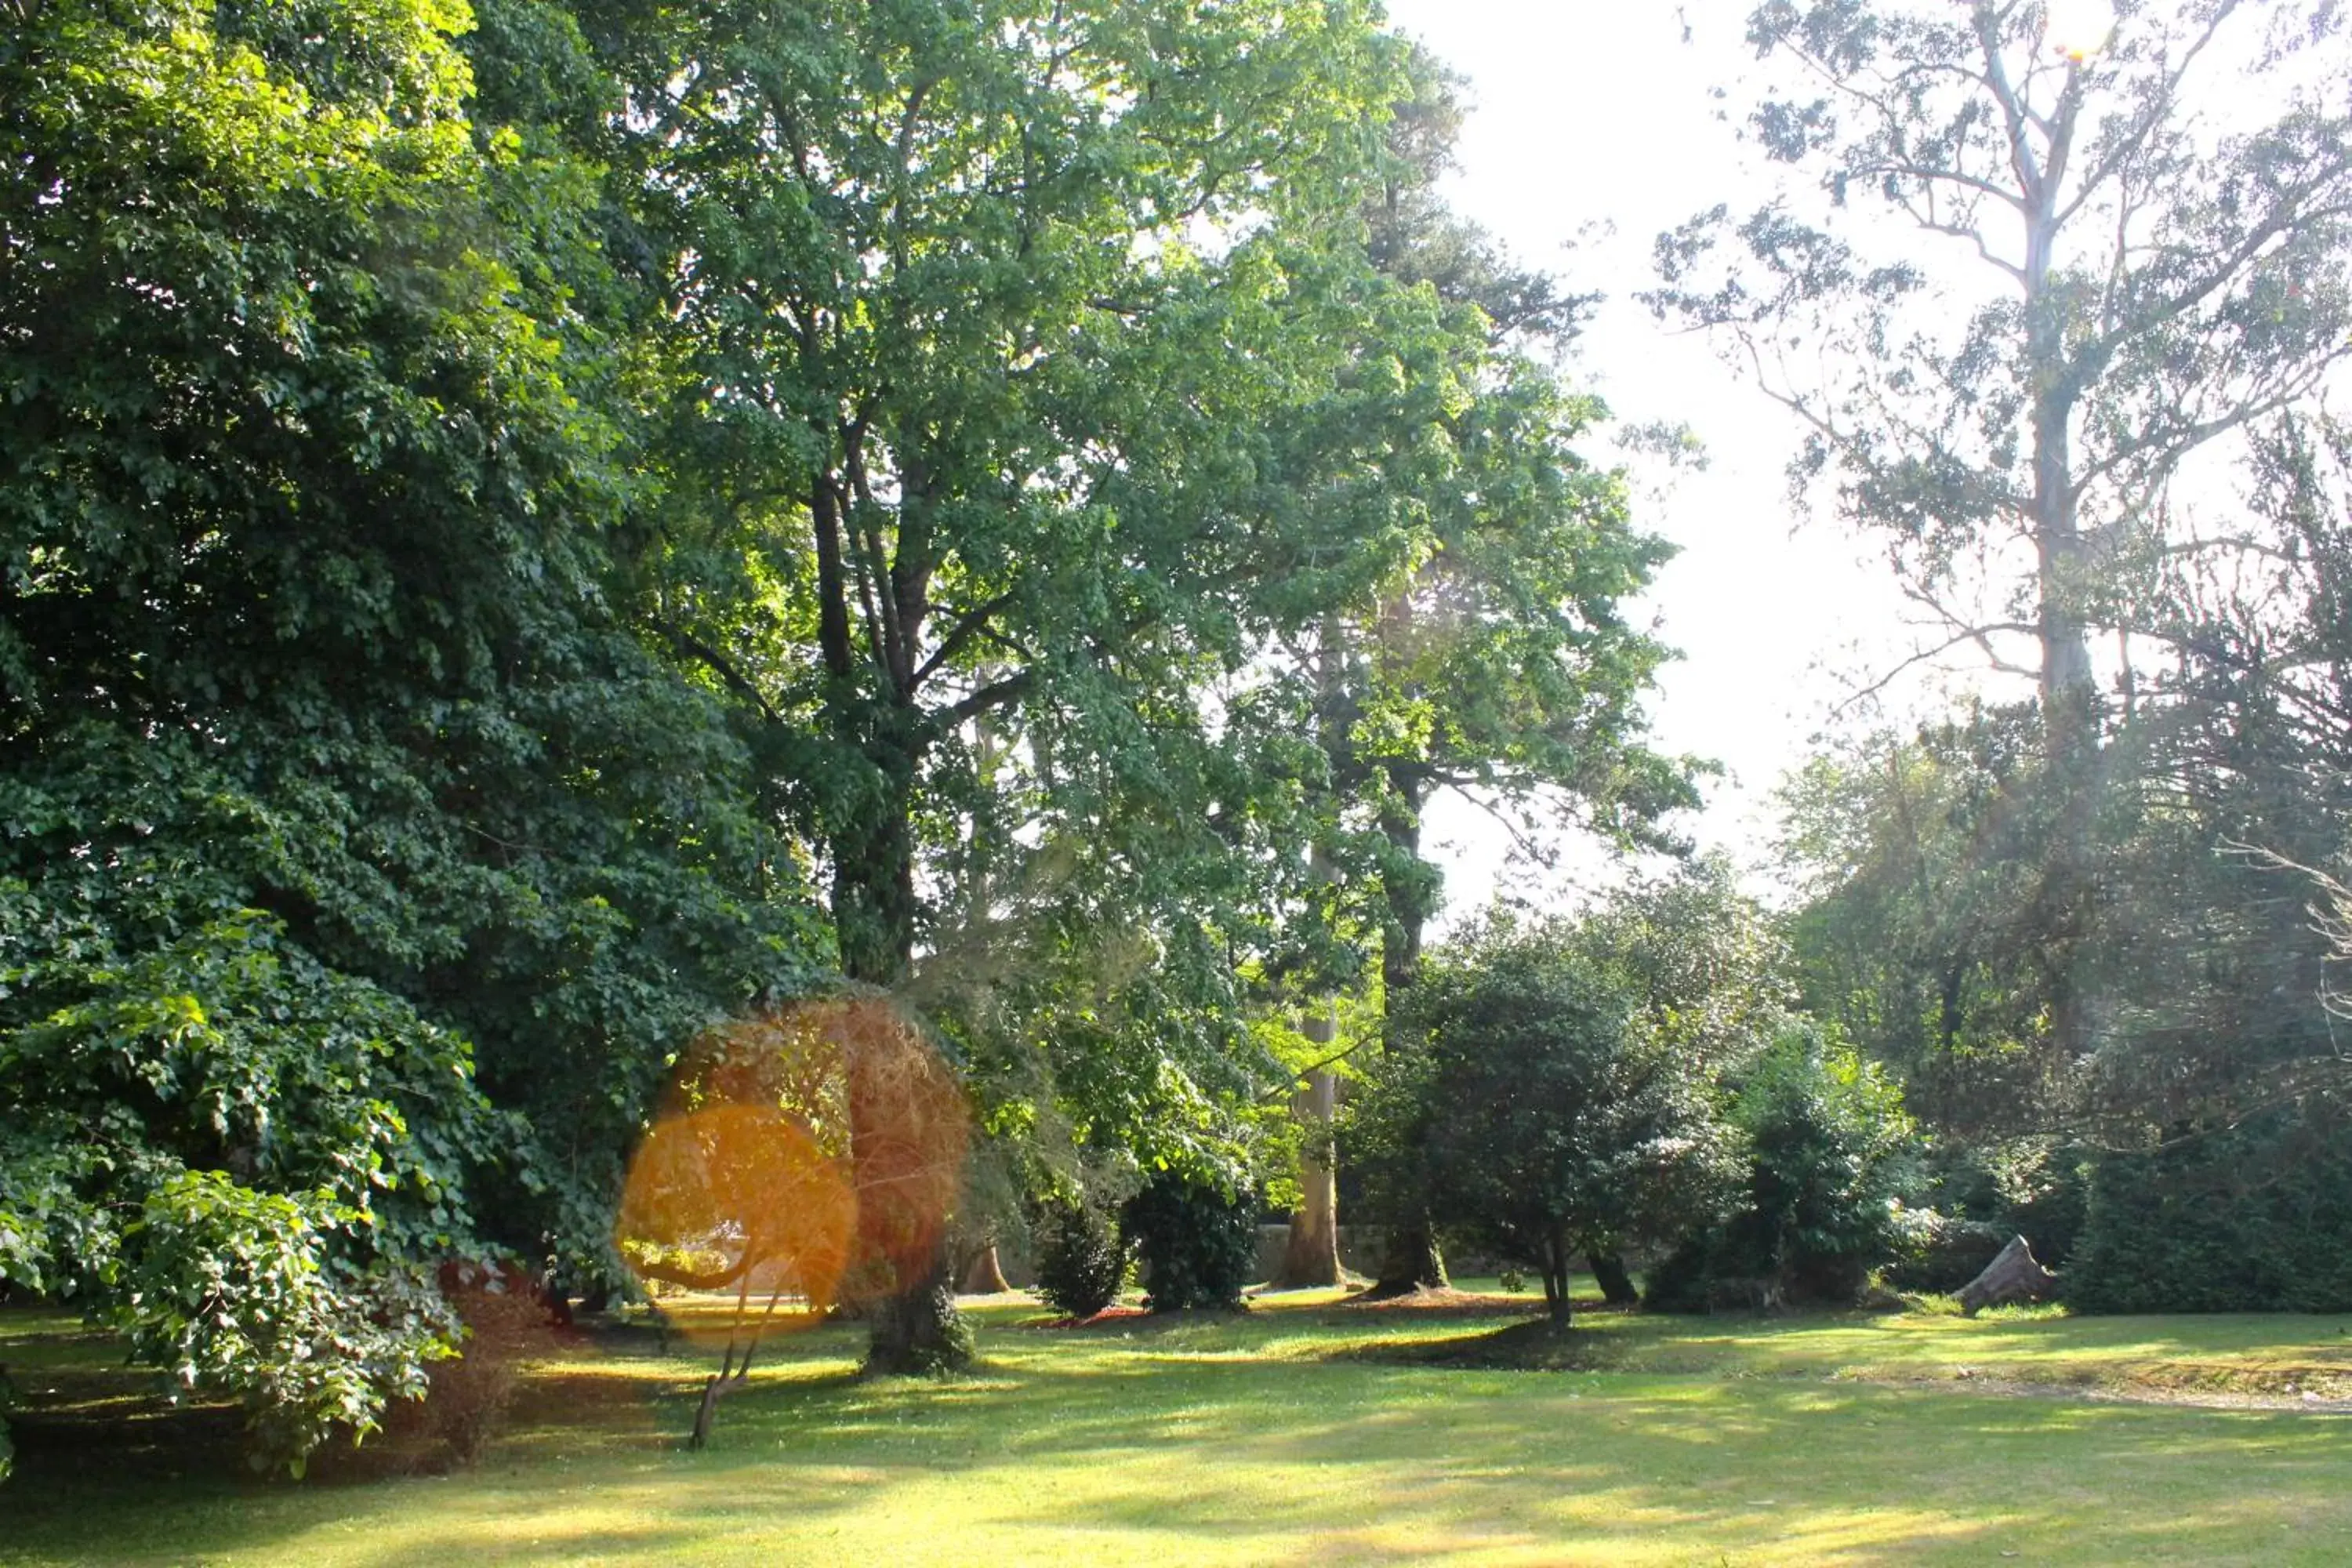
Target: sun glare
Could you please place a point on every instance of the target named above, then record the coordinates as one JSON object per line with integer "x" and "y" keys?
{"x": 2078, "y": 28}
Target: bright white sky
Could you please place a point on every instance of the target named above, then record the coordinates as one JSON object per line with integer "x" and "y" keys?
{"x": 1593, "y": 128}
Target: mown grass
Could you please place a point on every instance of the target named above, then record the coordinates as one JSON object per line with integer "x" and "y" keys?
{"x": 1303, "y": 1430}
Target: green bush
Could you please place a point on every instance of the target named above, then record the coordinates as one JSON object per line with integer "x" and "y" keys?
{"x": 1198, "y": 1243}
{"x": 2254, "y": 1218}
{"x": 1827, "y": 1142}
{"x": 1081, "y": 1259}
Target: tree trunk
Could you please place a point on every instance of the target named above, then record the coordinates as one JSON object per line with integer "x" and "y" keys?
{"x": 2069, "y": 696}
{"x": 985, "y": 1276}
{"x": 1409, "y": 1262}
{"x": 1616, "y": 1282}
{"x": 1557, "y": 1306}
{"x": 1311, "y": 1259}
{"x": 918, "y": 1331}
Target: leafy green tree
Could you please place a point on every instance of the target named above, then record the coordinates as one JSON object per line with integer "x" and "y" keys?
{"x": 1554, "y": 1120}
{"x": 1492, "y": 657}
{"x": 2238, "y": 757}
{"x": 248, "y": 1164}
{"x": 340, "y": 794}
{"x": 1828, "y": 1148}
{"x": 980, "y": 323}
{"x": 1082, "y": 1259}
{"x": 2246, "y": 1217}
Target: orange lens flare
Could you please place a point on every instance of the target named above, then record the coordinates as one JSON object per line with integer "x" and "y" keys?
{"x": 738, "y": 1196}
{"x": 816, "y": 1151}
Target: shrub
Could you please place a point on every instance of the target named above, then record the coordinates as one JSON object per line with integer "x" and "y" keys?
{"x": 1198, "y": 1243}
{"x": 1558, "y": 1114}
{"x": 1826, "y": 1142}
{"x": 1081, "y": 1259}
{"x": 2248, "y": 1219}
{"x": 467, "y": 1396}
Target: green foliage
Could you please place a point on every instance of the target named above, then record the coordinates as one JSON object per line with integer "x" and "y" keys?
{"x": 1828, "y": 1143}
{"x": 1934, "y": 933}
{"x": 308, "y": 606}
{"x": 1082, "y": 1259}
{"x": 1930, "y": 935}
{"x": 1553, "y": 1116}
{"x": 1827, "y": 1147}
{"x": 1198, "y": 1243}
{"x": 2250, "y": 1218}
{"x": 1941, "y": 1254}
{"x": 247, "y": 1164}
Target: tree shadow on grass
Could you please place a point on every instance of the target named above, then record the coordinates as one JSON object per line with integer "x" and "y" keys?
{"x": 1179, "y": 1446}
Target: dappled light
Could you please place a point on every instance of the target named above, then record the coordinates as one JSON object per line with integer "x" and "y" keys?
{"x": 812, "y": 781}
{"x": 1235, "y": 1441}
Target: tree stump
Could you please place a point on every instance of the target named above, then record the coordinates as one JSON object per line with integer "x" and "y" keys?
{"x": 2012, "y": 1276}
{"x": 984, "y": 1275}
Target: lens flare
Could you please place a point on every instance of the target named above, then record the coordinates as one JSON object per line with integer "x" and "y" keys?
{"x": 813, "y": 1150}
{"x": 738, "y": 1196}
{"x": 2077, "y": 28}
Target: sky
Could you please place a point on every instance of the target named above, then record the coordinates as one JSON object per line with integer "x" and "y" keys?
{"x": 1593, "y": 127}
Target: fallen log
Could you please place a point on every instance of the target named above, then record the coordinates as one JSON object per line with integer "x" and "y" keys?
{"x": 2013, "y": 1275}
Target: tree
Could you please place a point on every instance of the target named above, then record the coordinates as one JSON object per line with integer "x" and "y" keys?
{"x": 1197, "y": 1242}
{"x": 1554, "y": 1121}
{"x": 1493, "y": 659}
{"x": 815, "y": 1150}
{"x": 2163, "y": 282}
{"x": 1826, "y": 1145}
{"x": 1927, "y": 933}
{"x": 977, "y": 411}
{"x": 342, "y": 796}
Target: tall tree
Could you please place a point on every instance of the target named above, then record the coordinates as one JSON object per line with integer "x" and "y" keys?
{"x": 2158, "y": 281}
{"x": 983, "y": 315}
{"x": 2162, "y": 279}
{"x": 340, "y": 793}
{"x": 1495, "y": 658}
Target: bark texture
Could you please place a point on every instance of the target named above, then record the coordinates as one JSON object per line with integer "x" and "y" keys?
{"x": 1616, "y": 1280}
{"x": 2013, "y": 1275}
{"x": 985, "y": 1276}
{"x": 1409, "y": 1262}
{"x": 1311, "y": 1259}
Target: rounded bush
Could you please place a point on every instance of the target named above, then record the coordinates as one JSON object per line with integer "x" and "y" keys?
{"x": 1081, "y": 1260}
{"x": 1199, "y": 1244}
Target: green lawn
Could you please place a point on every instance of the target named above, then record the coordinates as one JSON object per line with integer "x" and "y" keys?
{"x": 1302, "y": 1431}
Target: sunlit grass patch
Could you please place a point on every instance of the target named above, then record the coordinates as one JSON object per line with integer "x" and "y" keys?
{"x": 1282, "y": 1434}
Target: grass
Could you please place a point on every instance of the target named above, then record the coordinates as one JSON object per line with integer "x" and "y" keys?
{"x": 1304, "y": 1429}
